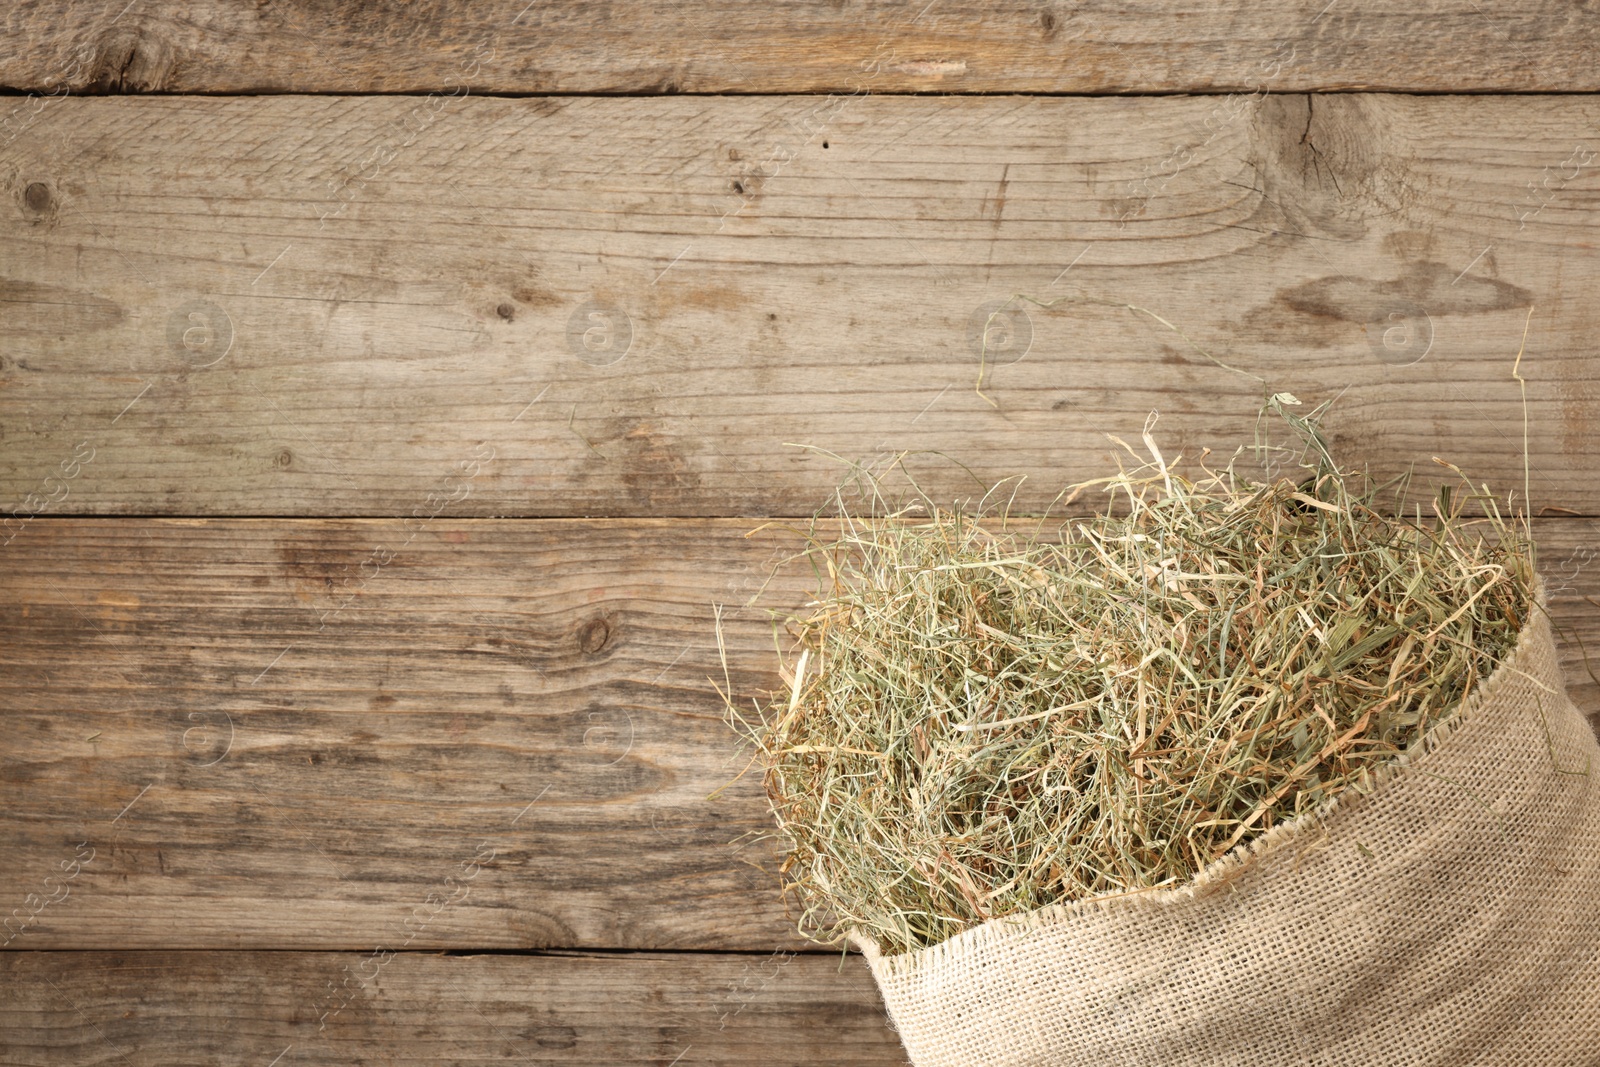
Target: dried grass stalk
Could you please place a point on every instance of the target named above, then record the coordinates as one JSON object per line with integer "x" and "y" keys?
{"x": 986, "y": 716}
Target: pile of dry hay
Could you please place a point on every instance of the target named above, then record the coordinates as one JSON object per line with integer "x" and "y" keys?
{"x": 982, "y": 721}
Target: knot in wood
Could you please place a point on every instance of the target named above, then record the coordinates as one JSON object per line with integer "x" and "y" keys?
{"x": 129, "y": 61}
{"x": 37, "y": 197}
{"x": 594, "y": 635}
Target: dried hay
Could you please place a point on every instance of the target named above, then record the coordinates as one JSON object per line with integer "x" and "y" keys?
{"x": 985, "y": 716}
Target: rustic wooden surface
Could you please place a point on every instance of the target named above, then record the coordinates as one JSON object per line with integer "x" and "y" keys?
{"x": 288, "y": 1008}
{"x": 600, "y": 307}
{"x": 504, "y": 737}
{"x": 964, "y": 46}
{"x": 377, "y": 729}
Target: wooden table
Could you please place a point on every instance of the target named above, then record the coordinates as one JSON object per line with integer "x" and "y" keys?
{"x": 387, "y": 393}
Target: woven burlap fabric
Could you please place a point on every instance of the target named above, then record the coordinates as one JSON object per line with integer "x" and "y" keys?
{"x": 1451, "y": 915}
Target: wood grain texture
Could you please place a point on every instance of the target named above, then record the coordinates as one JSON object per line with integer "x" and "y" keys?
{"x": 294, "y": 306}
{"x": 245, "y": 733}
{"x": 562, "y": 46}
{"x": 289, "y": 1008}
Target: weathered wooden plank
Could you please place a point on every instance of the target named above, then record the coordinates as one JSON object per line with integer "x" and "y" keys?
{"x": 511, "y": 46}
{"x": 474, "y": 734}
{"x": 351, "y": 720}
{"x": 178, "y": 1008}
{"x": 602, "y": 307}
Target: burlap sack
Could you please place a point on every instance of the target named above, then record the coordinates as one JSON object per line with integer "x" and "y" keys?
{"x": 1450, "y": 916}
